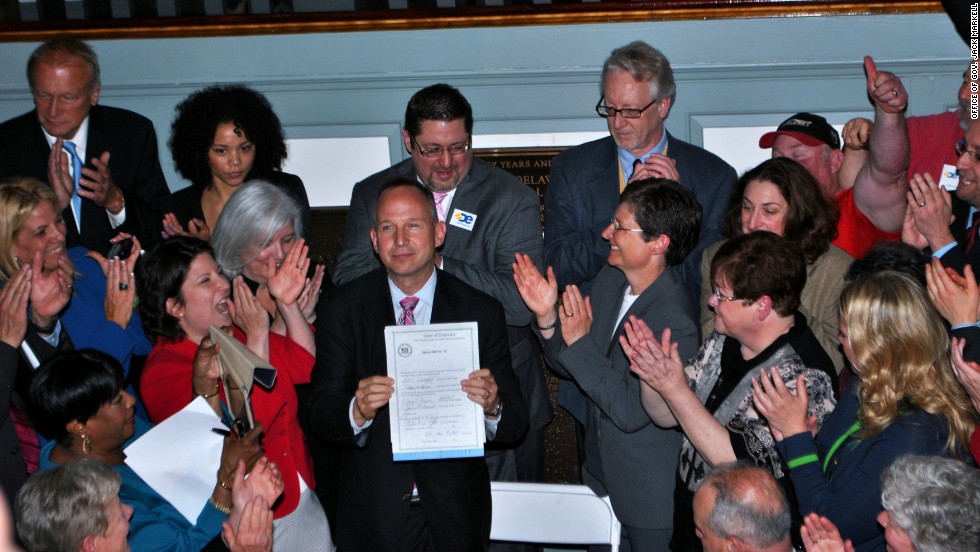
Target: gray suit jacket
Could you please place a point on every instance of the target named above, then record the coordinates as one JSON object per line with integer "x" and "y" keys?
{"x": 626, "y": 455}
{"x": 582, "y": 197}
{"x": 507, "y": 222}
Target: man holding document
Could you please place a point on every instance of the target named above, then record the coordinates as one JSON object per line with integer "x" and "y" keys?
{"x": 425, "y": 505}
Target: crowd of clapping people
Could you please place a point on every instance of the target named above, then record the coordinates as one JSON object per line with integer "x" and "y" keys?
{"x": 786, "y": 358}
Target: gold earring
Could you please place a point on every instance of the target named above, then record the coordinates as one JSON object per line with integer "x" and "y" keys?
{"x": 86, "y": 445}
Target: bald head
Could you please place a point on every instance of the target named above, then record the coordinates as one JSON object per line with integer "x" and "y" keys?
{"x": 742, "y": 507}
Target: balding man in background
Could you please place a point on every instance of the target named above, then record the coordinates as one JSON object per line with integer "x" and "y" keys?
{"x": 741, "y": 508}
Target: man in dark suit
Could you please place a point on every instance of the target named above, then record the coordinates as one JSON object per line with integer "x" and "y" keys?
{"x": 490, "y": 216}
{"x": 121, "y": 187}
{"x": 428, "y": 505}
{"x": 637, "y": 93}
{"x": 953, "y": 242}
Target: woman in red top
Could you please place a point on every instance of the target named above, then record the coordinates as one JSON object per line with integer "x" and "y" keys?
{"x": 182, "y": 294}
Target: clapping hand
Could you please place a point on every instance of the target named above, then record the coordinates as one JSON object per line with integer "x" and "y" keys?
{"x": 785, "y": 411}
{"x": 658, "y": 365}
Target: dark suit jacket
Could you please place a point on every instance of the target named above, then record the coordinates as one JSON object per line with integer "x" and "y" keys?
{"x": 16, "y": 376}
{"x": 13, "y": 471}
{"x": 455, "y": 494}
{"x": 958, "y": 257}
{"x": 134, "y": 163}
{"x": 583, "y": 195}
{"x": 187, "y": 202}
{"x": 626, "y": 455}
{"x": 507, "y": 222}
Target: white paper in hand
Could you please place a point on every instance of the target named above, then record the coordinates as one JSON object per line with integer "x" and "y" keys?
{"x": 179, "y": 458}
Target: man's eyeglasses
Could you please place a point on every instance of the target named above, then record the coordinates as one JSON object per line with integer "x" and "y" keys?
{"x": 961, "y": 149}
{"x": 436, "y": 151}
{"x": 616, "y": 227}
{"x": 605, "y": 111}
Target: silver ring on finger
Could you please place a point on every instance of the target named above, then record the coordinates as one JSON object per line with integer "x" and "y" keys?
{"x": 123, "y": 286}
{"x": 922, "y": 204}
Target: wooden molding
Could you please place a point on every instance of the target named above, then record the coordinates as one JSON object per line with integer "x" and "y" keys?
{"x": 498, "y": 16}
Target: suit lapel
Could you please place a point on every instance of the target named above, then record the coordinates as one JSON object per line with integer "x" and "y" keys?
{"x": 94, "y": 146}
{"x": 443, "y": 300}
{"x": 606, "y": 174}
{"x": 40, "y": 150}
{"x": 961, "y": 214}
{"x": 639, "y": 307}
{"x": 469, "y": 197}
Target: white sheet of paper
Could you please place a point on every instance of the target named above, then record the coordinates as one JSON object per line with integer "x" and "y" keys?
{"x": 431, "y": 416}
{"x": 180, "y": 456}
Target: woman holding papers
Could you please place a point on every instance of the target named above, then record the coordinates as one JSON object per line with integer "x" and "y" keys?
{"x": 83, "y": 408}
{"x": 182, "y": 295}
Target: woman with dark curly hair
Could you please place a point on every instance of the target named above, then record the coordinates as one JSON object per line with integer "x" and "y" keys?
{"x": 222, "y": 137}
{"x": 781, "y": 196}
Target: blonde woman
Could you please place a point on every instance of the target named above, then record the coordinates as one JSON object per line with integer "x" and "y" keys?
{"x": 75, "y": 294}
{"x": 903, "y": 400}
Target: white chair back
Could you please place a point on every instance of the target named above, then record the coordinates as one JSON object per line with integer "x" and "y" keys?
{"x": 552, "y": 514}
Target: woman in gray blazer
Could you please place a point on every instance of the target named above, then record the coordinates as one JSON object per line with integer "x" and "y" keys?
{"x": 626, "y": 456}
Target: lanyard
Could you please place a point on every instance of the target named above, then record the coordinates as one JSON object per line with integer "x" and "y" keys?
{"x": 840, "y": 441}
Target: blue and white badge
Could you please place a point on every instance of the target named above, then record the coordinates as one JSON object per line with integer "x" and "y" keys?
{"x": 462, "y": 219}
{"x": 949, "y": 179}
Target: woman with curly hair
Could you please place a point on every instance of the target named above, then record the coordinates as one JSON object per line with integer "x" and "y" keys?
{"x": 221, "y": 137}
{"x": 782, "y": 197}
{"x": 903, "y": 400}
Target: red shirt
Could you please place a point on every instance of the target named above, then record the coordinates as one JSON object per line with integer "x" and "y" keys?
{"x": 932, "y": 142}
{"x": 166, "y": 389}
{"x": 855, "y": 231}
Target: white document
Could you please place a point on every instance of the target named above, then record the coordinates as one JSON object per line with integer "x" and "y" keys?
{"x": 180, "y": 456}
{"x": 431, "y": 416}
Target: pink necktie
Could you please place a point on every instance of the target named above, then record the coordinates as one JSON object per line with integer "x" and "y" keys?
{"x": 971, "y": 235}
{"x": 440, "y": 208}
{"x": 407, "y": 317}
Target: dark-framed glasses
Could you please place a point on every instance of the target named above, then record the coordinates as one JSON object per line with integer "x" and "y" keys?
{"x": 436, "y": 151}
{"x": 605, "y": 111}
{"x": 961, "y": 149}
